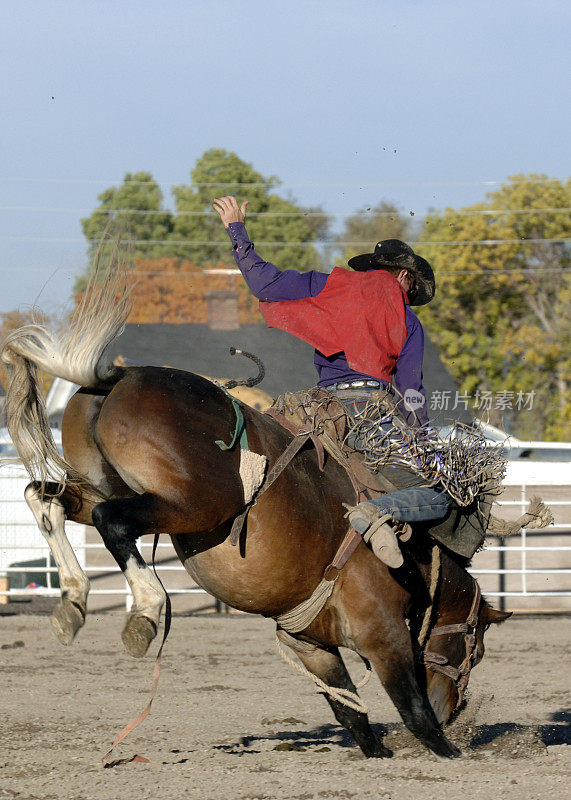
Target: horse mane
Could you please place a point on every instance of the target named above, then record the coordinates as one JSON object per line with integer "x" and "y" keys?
{"x": 72, "y": 352}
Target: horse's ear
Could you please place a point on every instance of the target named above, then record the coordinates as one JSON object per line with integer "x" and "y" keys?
{"x": 495, "y": 617}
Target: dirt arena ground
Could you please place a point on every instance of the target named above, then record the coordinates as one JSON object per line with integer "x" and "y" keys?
{"x": 233, "y": 721}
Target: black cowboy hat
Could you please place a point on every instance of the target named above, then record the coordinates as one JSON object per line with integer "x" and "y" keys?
{"x": 394, "y": 253}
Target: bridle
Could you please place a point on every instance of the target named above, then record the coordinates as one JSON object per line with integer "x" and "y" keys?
{"x": 439, "y": 663}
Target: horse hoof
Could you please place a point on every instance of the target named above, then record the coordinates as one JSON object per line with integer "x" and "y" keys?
{"x": 137, "y": 635}
{"x": 67, "y": 619}
{"x": 445, "y": 749}
{"x": 379, "y": 751}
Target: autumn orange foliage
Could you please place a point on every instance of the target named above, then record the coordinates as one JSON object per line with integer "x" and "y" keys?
{"x": 172, "y": 291}
{"x": 166, "y": 290}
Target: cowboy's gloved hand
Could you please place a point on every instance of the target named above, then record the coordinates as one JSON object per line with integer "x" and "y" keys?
{"x": 229, "y": 209}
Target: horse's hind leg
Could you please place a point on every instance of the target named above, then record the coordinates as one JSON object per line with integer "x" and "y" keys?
{"x": 120, "y": 523}
{"x": 49, "y": 512}
{"x": 328, "y": 665}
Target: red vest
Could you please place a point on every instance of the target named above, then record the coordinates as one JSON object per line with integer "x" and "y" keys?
{"x": 358, "y": 313}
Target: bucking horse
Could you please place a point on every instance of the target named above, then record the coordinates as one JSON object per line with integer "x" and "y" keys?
{"x": 150, "y": 450}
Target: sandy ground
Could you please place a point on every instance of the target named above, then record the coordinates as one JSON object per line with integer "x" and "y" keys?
{"x": 232, "y": 720}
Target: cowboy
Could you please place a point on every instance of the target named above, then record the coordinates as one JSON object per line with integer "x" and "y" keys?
{"x": 366, "y": 338}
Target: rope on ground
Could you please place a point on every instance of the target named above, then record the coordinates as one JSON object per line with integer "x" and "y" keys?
{"x": 345, "y": 696}
{"x": 434, "y": 577}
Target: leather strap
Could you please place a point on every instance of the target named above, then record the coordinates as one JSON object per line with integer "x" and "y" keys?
{"x": 154, "y": 686}
{"x": 442, "y": 630}
{"x": 275, "y": 471}
{"x": 237, "y": 526}
{"x": 473, "y": 615}
{"x": 375, "y": 481}
{"x": 296, "y": 430}
{"x": 283, "y": 420}
{"x": 282, "y": 461}
{"x": 343, "y": 554}
{"x": 439, "y": 663}
{"x": 350, "y": 461}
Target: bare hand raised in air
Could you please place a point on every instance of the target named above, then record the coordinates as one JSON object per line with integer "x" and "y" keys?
{"x": 229, "y": 209}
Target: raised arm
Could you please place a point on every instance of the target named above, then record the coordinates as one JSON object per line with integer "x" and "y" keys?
{"x": 264, "y": 279}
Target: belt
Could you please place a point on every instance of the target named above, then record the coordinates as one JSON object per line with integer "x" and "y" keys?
{"x": 358, "y": 384}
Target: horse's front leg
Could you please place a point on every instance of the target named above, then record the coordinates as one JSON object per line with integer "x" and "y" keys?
{"x": 385, "y": 642}
{"x": 329, "y": 667}
{"x": 50, "y": 515}
{"x": 120, "y": 523}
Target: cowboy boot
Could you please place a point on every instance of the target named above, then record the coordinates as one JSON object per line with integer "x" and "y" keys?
{"x": 377, "y": 532}
{"x": 384, "y": 543}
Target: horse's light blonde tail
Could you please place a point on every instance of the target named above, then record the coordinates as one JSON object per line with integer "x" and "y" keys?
{"x": 72, "y": 353}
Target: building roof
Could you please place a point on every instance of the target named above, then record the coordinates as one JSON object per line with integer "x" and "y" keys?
{"x": 288, "y": 360}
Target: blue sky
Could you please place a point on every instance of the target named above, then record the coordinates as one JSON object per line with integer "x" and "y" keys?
{"x": 319, "y": 93}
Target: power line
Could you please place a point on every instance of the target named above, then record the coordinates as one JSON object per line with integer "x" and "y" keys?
{"x": 363, "y": 243}
{"x": 273, "y": 185}
{"x": 302, "y": 213}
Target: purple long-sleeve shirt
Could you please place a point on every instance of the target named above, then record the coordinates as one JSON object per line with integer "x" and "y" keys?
{"x": 269, "y": 283}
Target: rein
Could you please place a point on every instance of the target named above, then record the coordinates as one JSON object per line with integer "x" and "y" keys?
{"x": 439, "y": 663}
{"x": 154, "y": 686}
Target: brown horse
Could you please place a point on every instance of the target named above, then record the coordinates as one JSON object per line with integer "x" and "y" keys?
{"x": 141, "y": 456}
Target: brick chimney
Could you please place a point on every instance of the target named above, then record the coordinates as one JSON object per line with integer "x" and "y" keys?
{"x": 222, "y": 310}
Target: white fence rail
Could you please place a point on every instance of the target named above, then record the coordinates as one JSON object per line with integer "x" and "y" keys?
{"x": 20, "y": 539}
{"x": 530, "y": 571}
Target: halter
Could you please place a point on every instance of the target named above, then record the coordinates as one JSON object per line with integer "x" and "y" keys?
{"x": 439, "y": 663}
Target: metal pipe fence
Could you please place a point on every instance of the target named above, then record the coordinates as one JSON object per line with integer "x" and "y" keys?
{"x": 530, "y": 569}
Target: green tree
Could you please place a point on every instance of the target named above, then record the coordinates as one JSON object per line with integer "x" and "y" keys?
{"x": 134, "y": 211}
{"x": 369, "y": 225}
{"x": 500, "y": 316}
{"x": 283, "y": 230}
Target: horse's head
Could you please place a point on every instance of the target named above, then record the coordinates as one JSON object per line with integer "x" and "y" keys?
{"x": 454, "y": 647}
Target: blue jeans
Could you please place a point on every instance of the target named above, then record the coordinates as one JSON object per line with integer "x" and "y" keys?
{"x": 417, "y": 504}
